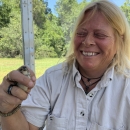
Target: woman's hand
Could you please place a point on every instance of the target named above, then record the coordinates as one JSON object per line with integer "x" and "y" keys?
{"x": 12, "y": 96}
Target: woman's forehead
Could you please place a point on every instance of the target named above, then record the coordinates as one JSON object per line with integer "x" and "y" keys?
{"x": 96, "y": 22}
{"x": 96, "y": 18}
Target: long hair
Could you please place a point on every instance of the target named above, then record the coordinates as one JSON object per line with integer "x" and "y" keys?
{"x": 119, "y": 23}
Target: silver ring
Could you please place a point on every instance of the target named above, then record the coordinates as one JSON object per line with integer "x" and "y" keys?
{"x": 9, "y": 89}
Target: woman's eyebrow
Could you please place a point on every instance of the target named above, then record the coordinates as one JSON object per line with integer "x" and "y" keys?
{"x": 102, "y": 30}
{"x": 80, "y": 29}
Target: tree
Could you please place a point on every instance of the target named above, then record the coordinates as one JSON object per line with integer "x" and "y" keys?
{"x": 11, "y": 37}
{"x": 53, "y": 36}
{"x": 50, "y": 41}
{"x": 51, "y": 33}
{"x": 68, "y": 11}
{"x": 5, "y": 11}
{"x": 126, "y": 9}
{"x": 40, "y": 10}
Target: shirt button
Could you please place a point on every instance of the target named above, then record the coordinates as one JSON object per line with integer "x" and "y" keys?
{"x": 51, "y": 118}
{"x": 91, "y": 95}
{"x": 82, "y": 113}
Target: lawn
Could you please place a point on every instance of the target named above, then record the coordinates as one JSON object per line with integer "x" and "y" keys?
{"x": 8, "y": 64}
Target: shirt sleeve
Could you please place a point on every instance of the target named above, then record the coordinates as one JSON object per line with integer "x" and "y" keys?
{"x": 127, "y": 104}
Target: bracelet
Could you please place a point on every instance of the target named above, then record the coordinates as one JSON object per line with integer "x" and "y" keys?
{"x": 10, "y": 113}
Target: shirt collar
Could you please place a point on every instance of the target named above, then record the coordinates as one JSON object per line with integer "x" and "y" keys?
{"x": 107, "y": 77}
{"x": 75, "y": 69}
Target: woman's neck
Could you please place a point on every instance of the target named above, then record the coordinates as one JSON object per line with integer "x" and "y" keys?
{"x": 91, "y": 74}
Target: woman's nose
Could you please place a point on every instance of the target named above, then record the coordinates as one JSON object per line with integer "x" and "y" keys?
{"x": 89, "y": 40}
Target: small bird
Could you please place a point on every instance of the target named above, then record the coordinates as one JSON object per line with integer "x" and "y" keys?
{"x": 24, "y": 70}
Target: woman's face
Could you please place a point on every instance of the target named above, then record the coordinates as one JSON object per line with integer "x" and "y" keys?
{"x": 99, "y": 48}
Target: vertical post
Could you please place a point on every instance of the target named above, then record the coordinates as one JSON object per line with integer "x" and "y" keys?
{"x": 27, "y": 33}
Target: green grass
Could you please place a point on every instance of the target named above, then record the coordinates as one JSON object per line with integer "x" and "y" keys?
{"x": 8, "y": 64}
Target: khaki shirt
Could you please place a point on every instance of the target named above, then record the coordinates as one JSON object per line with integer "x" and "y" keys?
{"x": 59, "y": 99}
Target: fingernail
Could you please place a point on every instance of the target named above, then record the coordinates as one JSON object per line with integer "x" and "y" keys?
{"x": 34, "y": 78}
{"x": 31, "y": 83}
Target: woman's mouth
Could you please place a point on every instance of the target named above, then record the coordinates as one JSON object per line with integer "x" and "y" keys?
{"x": 89, "y": 53}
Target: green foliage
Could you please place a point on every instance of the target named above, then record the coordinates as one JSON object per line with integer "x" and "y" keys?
{"x": 44, "y": 51}
{"x": 48, "y": 37}
{"x": 126, "y": 9}
{"x": 39, "y": 9}
{"x": 50, "y": 40}
{"x": 11, "y": 39}
{"x": 54, "y": 37}
{"x": 10, "y": 36}
{"x": 4, "y": 14}
{"x": 51, "y": 33}
{"x": 67, "y": 11}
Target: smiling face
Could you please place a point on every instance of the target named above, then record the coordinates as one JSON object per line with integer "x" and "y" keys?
{"x": 94, "y": 46}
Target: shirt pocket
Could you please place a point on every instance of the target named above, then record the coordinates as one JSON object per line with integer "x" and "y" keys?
{"x": 56, "y": 123}
{"x": 96, "y": 126}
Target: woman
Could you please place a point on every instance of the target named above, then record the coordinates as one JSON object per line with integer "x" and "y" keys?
{"x": 88, "y": 91}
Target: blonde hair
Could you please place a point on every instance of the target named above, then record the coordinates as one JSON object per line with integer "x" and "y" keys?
{"x": 119, "y": 23}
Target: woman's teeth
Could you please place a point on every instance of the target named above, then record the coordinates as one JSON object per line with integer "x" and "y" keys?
{"x": 89, "y": 53}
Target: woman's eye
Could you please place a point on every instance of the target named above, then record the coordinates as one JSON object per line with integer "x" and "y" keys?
{"x": 81, "y": 34}
{"x": 100, "y": 36}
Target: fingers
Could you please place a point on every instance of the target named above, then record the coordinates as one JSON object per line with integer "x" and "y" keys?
{"x": 8, "y": 102}
{"x": 32, "y": 75}
{"x": 11, "y": 89}
{"x": 16, "y": 76}
{"x": 23, "y": 78}
{"x": 17, "y": 92}
{"x": 8, "y": 99}
{"x": 10, "y": 94}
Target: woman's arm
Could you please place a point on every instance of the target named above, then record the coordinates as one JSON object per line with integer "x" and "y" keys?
{"x": 16, "y": 121}
{"x": 10, "y": 101}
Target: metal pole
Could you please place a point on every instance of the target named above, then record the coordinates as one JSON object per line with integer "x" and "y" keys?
{"x": 27, "y": 33}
